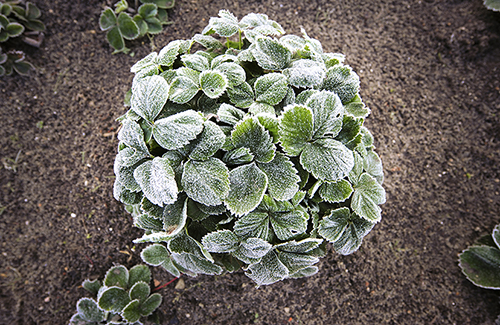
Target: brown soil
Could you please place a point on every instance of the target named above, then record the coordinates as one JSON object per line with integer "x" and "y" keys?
{"x": 430, "y": 73}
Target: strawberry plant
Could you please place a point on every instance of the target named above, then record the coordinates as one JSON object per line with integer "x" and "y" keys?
{"x": 248, "y": 153}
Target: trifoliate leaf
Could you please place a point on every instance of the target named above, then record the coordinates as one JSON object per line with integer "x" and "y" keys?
{"x": 149, "y": 96}
{"x": 196, "y": 62}
{"x": 117, "y": 276}
{"x": 177, "y": 130}
{"x": 128, "y": 28}
{"x": 253, "y": 225}
{"x": 269, "y": 270}
{"x": 251, "y": 250}
{"x": 480, "y": 265}
{"x": 208, "y": 42}
{"x": 238, "y": 156}
{"x": 140, "y": 291}
{"x": 169, "y": 53}
{"x": 234, "y": 73}
{"x": 271, "y": 88}
{"x": 373, "y": 166}
{"x": 131, "y": 313}
{"x": 223, "y": 241}
{"x": 327, "y": 160}
{"x": 175, "y": 216}
{"x": 357, "y": 108}
{"x": 327, "y": 112}
{"x": 336, "y": 192}
{"x": 206, "y": 182}
{"x": 213, "y": 83}
{"x": 282, "y": 176}
{"x": 305, "y": 73}
{"x": 88, "y": 309}
{"x": 138, "y": 273}
{"x": 150, "y": 304}
{"x": 289, "y": 225}
{"x": 182, "y": 90}
{"x": 157, "y": 180}
{"x": 250, "y": 134}
{"x": 270, "y": 54}
{"x": 296, "y": 128}
{"x": 294, "y": 43}
{"x": 113, "y": 299}
{"x": 343, "y": 81}
{"x": 368, "y": 194}
{"x": 229, "y": 114}
{"x": 247, "y": 187}
{"x": 350, "y": 129}
{"x": 209, "y": 142}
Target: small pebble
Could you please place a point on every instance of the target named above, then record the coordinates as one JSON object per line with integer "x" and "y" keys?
{"x": 180, "y": 285}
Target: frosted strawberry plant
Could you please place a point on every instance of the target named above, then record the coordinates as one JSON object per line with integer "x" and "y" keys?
{"x": 247, "y": 153}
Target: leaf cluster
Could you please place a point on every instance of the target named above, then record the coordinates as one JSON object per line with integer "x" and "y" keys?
{"x": 248, "y": 153}
{"x": 125, "y": 23}
{"x": 124, "y": 297}
{"x": 23, "y": 22}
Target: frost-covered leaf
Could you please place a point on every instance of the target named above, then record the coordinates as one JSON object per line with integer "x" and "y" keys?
{"x": 373, "y": 166}
{"x": 304, "y": 272}
{"x": 257, "y": 21}
{"x": 139, "y": 273}
{"x": 175, "y": 216}
{"x": 145, "y": 63}
{"x": 89, "y": 311}
{"x": 270, "y": 123}
{"x": 301, "y": 247}
{"x": 271, "y": 88}
{"x": 157, "y": 180}
{"x": 225, "y": 26}
{"x": 261, "y": 108}
{"x": 368, "y": 194}
{"x": 296, "y": 128}
{"x": 117, "y": 276}
{"x": 250, "y": 134}
{"x": 253, "y": 225}
{"x": 210, "y": 141}
{"x": 182, "y": 90}
{"x": 234, "y": 73}
{"x": 481, "y": 265}
{"x": 247, "y": 187}
{"x": 305, "y": 73}
{"x": 122, "y": 194}
{"x": 357, "y": 169}
{"x": 196, "y": 62}
{"x": 282, "y": 176}
{"x": 177, "y": 130}
{"x": 293, "y": 42}
{"x": 332, "y": 59}
{"x": 213, "y": 83}
{"x": 206, "y": 182}
{"x": 188, "y": 73}
{"x": 131, "y": 313}
{"x": 302, "y": 98}
{"x": 251, "y": 250}
{"x": 149, "y": 96}
{"x": 270, "y": 54}
{"x": 158, "y": 255}
{"x": 196, "y": 264}
{"x": 133, "y": 136}
{"x": 113, "y": 299}
{"x": 327, "y": 113}
{"x": 169, "y": 53}
{"x": 289, "y": 225}
{"x": 350, "y": 129}
{"x": 343, "y": 81}
{"x": 238, "y": 156}
{"x": 107, "y": 19}
{"x": 336, "y": 192}
{"x": 357, "y": 108}
{"x": 208, "y": 42}
{"x": 269, "y": 270}
{"x": 128, "y": 28}
{"x": 327, "y": 160}
{"x": 229, "y": 114}
{"x": 150, "y": 304}
{"x": 146, "y": 222}
{"x": 140, "y": 291}
{"x": 92, "y": 286}
{"x": 223, "y": 241}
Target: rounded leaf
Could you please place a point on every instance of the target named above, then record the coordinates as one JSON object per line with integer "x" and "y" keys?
{"x": 305, "y": 73}
{"x": 155, "y": 254}
{"x": 157, "y": 181}
{"x": 128, "y": 28}
{"x": 88, "y": 309}
{"x": 270, "y": 54}
{"x": 113, "y": 299}
{"x": 182, "y": 90}
{"x": 271, "y": 88}
{"x": 107, "y": 19}
{"x": 117, "y": 276}
{"x": 343, "y": 81}
{"x": 247, "y": 187}
{"x": 139, "y": 273}
{"x": 115, "y": 39}
{"x": 481, "y": 265}
{"x": 149, "y": 96}
{"x": 14, "y": 29}
{"x": 213, "y": 83}
{"x": 131, "y": 313}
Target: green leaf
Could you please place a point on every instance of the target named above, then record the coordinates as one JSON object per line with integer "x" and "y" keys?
{"x": 88, "y": 309}
{"x": 270, "y": 123}
{"x": 175, "y": 216}
{"x": 148, "y": 223}
{"x": 282, "y": 176}
{"x": 357, "y": 108}
{"x": 123, "y": 195}
{"x": 150, "y": 305}
{"x": 293, "y": 42}
{"x": 138, "y": 273}
{"x": 140, "y": 291}
{"x": 336, "y": 192}
{"x": 295, "y": 262}
{"x": 149, "y": 96}
{"x": 327, "y": 160}
{"x": 296, "y": 127}
{"x": 145, "y": 63}
{"x": 343, "y": 81}
{"x": 196, "y": 264}
{"x": 332, "y": 59}
{"x": 177, "y": 130}
{"x": 357, "y": 170}
{"x": 289, "y": 225}
{"x": 148, "y": 10}
{"x": 211, "y": 140}
{"x": 368, "y": 194}
{"x": 225, "y": 26}
{"x": 229, "y": 114}
{"x": 327, "y": 113}
{"x": 154, "y": 25}
{"x": 92, "y": 286}
{"x": 492, "y": 4}
{"x": 196, "y": 62}
{"x": 128, "y": 28}
{"x": 206, "y": 182}
{"x": 481, "y": 265}
{"x": 344, "y": 230}
{"x": 23, "y": 67}
{"x": 261, "y": 108}
{"x": 250, "y": 134}
{"x": 253, "y": 225}
{"x": 157, "y": 180}
{"x": 35, "y": 25}
{"x": 247, "y": 187}
{"x": 300, "y": 247}
{"x": 107, "y": 19}
{"x": 164, "y": 4}
{"x": 305, "y": 73}
{"x": 115, "y": 39}
{"x": 269, "y": 270}
{"x": 155, "y": 254}
{"x": 234, "y": 73}
{"x": 131, "y": 313}
{"x": 169, "y": 53}
{"x": 113, "y": 299}
{"x": 495, "y": 235}
{"x": 222, "y": 241}
{"x": 213, "y": 83}
{"x": 350, "y": 129}
{"x": 14, "y": 29}
{"x": 271, "y": 88}
{"x": 251, "y": 250}
{"x": 373, "y": 166}
{"x": 117, "y": 276}
{"x": 270, "y": 54}
{"x": 238, "y": 156}
{"x": 182, "y": 90}
{"x": 208, "y": 42}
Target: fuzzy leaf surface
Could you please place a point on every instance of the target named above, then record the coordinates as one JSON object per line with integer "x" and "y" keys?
{"x": 343, "y": 81}
{"x": 234, "y": 73}
{"x": 113, "y": 299}
{"x": 282, "y": 176}
{"x": 327, "y": 110}
{"x": 368, "y": 194}
{"x": 210, "y": 141}
{"x": 222, "y": 241}
{"x": 230, "y": 114}
{"x": 247, "y": 187}
{"x": 336, "y": 192}
{"x": 269, "y": 270}
{"x": 270, "y": 54}
{"x": 271, "y": 88}
{"x": 139, "y": 273}
{"x": 88, "y": 309}
{"x": 157, "y": 180}
{"x": 149, "y": 96}
{"x": 241, "y": 95}
{"x": 131, "y": 313}
{"x": 117, "y": 276}
{"x": 305, "y": 73}
{"x": 177, "y": 130}
{"x": 251, "y": 250}
{"x": 213, "y": 83}
{"x": 250, "y": 134}
{"x": 296, "y": 128}
{"x": 182, "y": 90}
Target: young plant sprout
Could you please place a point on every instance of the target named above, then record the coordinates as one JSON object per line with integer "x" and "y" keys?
{"x": 248, "y": 153}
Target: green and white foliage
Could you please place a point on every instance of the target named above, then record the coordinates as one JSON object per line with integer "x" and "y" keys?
{"x": 121, "y": 25}
{"x": 15, "y": 20}
{"x": 492, "y": 4}
{"x": 124, "y": 297}
{"x": 242, "y": 150}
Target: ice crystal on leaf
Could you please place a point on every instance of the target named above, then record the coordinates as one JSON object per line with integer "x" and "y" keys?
{"x": 250, "y": 145}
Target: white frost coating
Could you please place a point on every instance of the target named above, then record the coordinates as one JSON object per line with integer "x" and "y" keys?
{"x": 182, "y": 90}
{"x": 270, "y": 54}
{"x": 296, "y": 127}
{"x": 169, "y": 53}
{"x": 336, "y": 192}
{"x": 157, "y": 181}
{"x": 177, "y": 130}
{"x": 283, "y": 178}
{"x": 250, "y": 134}
{"x": 305, "y": 73}
{"x": 234, "y": 73}
{"x": 195, "y": 61}
{"x": 210, "y": 141}
{"x": 368, "y": 194}
{"x": 271, "y": 88}
{"x": 213, "y": 83}
{"x": 269, "y": 270}
{"x": 222, "y": 241}
{"x": 149, "y": 96}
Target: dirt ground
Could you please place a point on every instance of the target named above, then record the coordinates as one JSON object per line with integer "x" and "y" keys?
{"x": 430, "y": 72}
